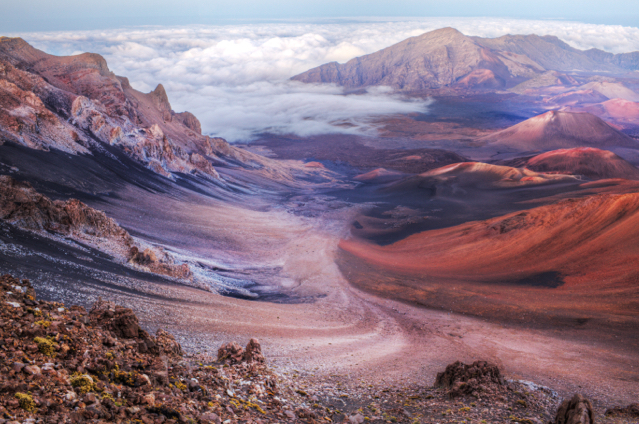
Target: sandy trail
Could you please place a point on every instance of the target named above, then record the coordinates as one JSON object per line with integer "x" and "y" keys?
{"x": 363, "y": 338}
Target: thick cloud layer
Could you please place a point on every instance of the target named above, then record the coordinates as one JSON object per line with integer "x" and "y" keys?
{"x": 235, "y": 77}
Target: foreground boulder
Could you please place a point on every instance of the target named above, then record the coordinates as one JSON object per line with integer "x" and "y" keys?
{"x": 234, "y": 354}
{"x": 253, "y": 352}
{"x": 121, "y": 321}
{"x": 577, "y": 410}
{"x": 461, "y": 379}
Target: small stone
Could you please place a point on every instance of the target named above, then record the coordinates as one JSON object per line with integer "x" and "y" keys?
{"x": 290, "y": 414}
{"x": 149, "y": 399}
{"x": 210, "y": 417}
{"x": 32, "y": 370}
{"x": 356, "y": 419}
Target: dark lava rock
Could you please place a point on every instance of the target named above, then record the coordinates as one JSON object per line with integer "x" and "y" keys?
{"x": 121, "y": 321}
{"x": 462, "y": 379}
{"x": 167, "y": 343}
{"x": 577, "y": 410}
{"x": 631, "y": 411}
{"x": 231, "y": 352}
{"x": 253, "y": 352}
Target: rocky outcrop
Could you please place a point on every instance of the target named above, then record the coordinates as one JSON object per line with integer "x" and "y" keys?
{"x": 253, "y": 352}
{"x": 25, "y": 119}
{"x": 22, "y": 206}
{"x": 630, "y": 411}
{"x": 190, "y": 121}
{"x": 69, "y": 103}
{"x": 167, "y": 343}
{"x": 233, "y": 353}
{"x": 461, "y": 379}
{"x": 157, "y": 261}
{"x": 61, "y": 364}
{"x": 121, "y": 321}
{"x": 577, "y": 410}
{"x": 76, "y": 104}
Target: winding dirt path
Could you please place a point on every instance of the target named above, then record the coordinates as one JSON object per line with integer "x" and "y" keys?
{"x": 362, "y": 338}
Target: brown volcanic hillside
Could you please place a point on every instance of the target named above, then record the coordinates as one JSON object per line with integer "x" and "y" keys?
{"x": 587, "y": 161}
{"x": 76, "y": 103}
{"x": 432, "y": 60}
{"x": 589, "y": 242}
{"x": 555, "y": 130}
{"x": 445, "y": 57}
{"x": 552, "y": 53}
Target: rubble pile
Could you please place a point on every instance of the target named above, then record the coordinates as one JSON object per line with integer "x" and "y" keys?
{"x": 63, "y": 365}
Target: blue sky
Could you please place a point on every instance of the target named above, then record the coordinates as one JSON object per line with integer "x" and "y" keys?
{"x": 34, "y": 15}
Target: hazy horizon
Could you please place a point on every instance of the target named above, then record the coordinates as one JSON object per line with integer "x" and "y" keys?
{"x": 33, "y": 15}
{"x": 235, "y": 78}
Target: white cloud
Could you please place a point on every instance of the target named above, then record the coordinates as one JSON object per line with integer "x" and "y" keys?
{"x": 235, "y": 77}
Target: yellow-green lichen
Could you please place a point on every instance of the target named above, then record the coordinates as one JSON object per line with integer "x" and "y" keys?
{"x": 45, "y": 346}
{"x": 26, "y": 401}
{"x": 82, "y": 382}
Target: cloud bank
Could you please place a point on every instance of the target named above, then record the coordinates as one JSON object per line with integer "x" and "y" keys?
{"x": 235, "y": 77}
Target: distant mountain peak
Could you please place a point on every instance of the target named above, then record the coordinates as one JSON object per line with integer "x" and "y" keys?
{"x": 444, "y": 57}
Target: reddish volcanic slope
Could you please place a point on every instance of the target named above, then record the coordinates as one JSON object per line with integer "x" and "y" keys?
{"x": 456, "y": 178}
{"x": 589, "y": 242}
{"x": 612, "y": 90}
{"x": 379, "y": 176}
{"x": 555, "y": 130}
{"x": 587, "y": 161}
{"x": 622, "y": 109}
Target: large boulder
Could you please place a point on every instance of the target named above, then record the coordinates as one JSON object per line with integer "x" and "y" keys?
{"x": 253, "y": 352}
{"x": 230, "y": 352}
{"x": 462, "y": 379}
{"x": 167, "y": 343}
{"x": 121, "y": 321}
{"x": 577, "y": 410}
{"x": 233, "y": 353}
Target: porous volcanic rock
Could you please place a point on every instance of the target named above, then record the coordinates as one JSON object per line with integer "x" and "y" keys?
{"x": 122, "y": 321}
{"x": 253, "y": 352}
{"x": 230, "y": 352}
{"x": 461, "y": 379}
{"x": 167, "y": 343}
{"x": 577, "y": 410}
